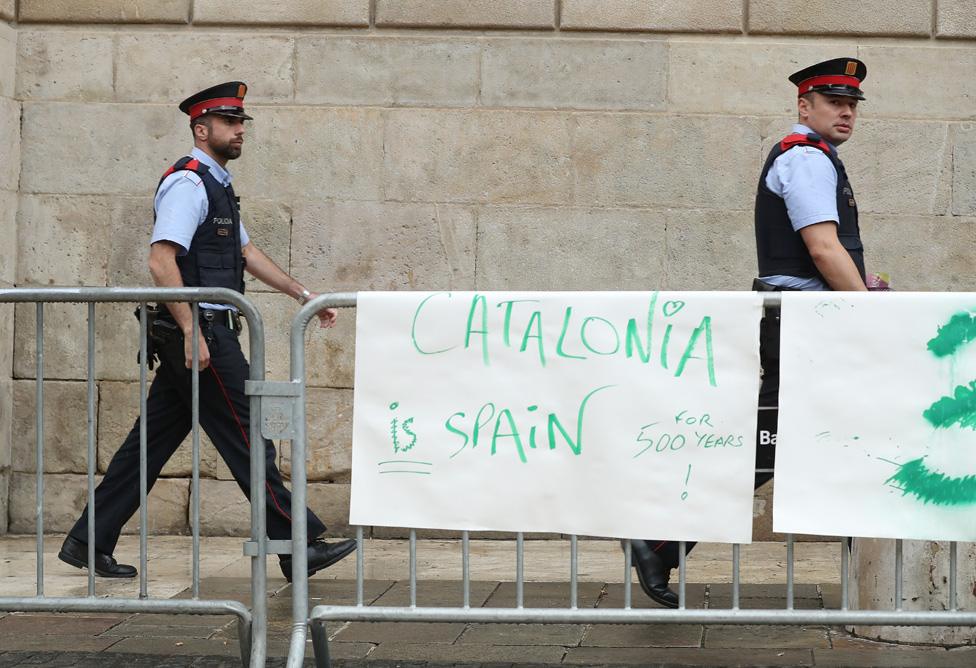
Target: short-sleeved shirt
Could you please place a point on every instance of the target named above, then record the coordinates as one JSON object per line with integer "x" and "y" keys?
{"x": 807, "y": 181}
{"x": 181, "y": 207}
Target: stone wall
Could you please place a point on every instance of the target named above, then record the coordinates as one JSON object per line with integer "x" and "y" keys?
{"x": 9, "y": 177}
{"x": 445, "y": 144}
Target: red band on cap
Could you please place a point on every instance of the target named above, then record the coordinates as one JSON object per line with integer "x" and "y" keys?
{"x": 200, "y": 108}
{"x": 828, "y": 80}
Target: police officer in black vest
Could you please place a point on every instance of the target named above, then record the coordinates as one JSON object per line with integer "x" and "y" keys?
{"x": 198, "y": 240}
{"x": 807, "y": 238}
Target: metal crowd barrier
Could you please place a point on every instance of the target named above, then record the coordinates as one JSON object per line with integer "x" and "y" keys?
{"x": 252, "y": 624}
{"x": 572, "y": 613}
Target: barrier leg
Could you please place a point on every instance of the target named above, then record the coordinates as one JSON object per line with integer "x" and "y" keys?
{"x": 244, "y": 638}
{"x": 320, "y": 645}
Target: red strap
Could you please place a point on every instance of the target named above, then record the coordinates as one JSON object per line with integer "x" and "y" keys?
{"x": 803, "y": 140}
{"x": 828, "y": 80}
{"x": 193, "y": 165}
{"x": 201, "y": 108}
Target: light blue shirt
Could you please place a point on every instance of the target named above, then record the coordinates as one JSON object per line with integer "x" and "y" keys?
{"x": 807, "y": 181}
{"x": 181, "y": 207}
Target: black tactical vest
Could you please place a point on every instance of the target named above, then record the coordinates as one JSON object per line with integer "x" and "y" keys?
{"x": 780, "y": 248}
{"x": 214, "y": 259}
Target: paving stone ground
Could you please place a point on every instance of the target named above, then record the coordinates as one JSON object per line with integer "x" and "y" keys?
{"x": 134, "y": 641}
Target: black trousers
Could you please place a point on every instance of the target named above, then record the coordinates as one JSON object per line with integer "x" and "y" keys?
{"x": 224, "y": 416}
{"x": 766, "y": 426}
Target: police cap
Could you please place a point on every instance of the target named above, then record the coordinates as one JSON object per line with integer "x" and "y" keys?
{"x": 226, "y": 99}
{"x": 840, "y": 76}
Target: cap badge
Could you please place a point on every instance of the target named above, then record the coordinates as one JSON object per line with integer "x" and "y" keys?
{"x": 851, "y": 68}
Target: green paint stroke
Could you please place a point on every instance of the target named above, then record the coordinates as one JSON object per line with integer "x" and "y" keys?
{"x": 929, "y": 486}
{"x": 960, "y": 330}
{"x": 958, "y": 409}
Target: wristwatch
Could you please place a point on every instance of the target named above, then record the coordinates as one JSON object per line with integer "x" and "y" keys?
{"x": 304, "y": 297}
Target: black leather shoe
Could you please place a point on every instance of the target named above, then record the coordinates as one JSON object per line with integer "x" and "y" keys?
{"x": 75, "y": 553}
{"x": 652, "y": 574}
{"x": 320, "y": 555}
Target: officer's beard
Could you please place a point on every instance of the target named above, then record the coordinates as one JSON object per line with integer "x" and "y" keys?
{"x": 226, "y": 150}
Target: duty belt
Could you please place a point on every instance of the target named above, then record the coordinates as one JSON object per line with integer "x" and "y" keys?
{"x": 226, "y": 317}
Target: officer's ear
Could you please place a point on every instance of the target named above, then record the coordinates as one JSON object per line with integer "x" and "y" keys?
{"x": 201, "y": 128}
{"x": 804, "y": 103}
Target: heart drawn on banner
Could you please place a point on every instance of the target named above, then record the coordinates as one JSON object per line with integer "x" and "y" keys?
{"x": 672, "y": 307}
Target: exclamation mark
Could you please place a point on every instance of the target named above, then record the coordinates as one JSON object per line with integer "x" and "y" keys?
{"x": 684, "y": 494}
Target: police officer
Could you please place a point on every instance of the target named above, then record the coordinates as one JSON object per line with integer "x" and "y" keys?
{"x": 807, "y": 238}
{"x": 198, "y": 240}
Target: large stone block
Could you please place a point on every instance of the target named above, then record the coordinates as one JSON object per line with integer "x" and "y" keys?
{"x": 296, "y": 152}
{"x": 66, "y": 341}
{"x": 329, "y": 436}
{"x": 130, "y": 229}
{"x": 10, "y": 144}
{"x": 65, "y": 497}
{"x": 584, "y": 249}
{"x": 224, "y": 510}
{"x": 383, "y": 246}
{"x": 268, "y": 224}
{"x": 8, "y": 12}
{"x": 478, "y": 156}
{"x": 105, "y": 11}
{"x": 8, "y": 230}
{"x": 277, "y": 311}
{"x": 956, "y": 19}
{"x": 168, "y": 512}
{"x": 924, "y": 569}
{"x": 575, "y": 73}
{"x": 84, "y": 240}
{"x": 666, "y": 16}
{"x": 6, "y": 423}
{"x": 8, "y": 57}
{"x": 330, "y": 501}
{"x": 4, "y": 500}
{"x": 180, "y": 64}
{"x": 833, "y": 17}
{"x": 291, "y": 12}
{"x": 65, "y": 446}
{"x": 894, "y": 176}
{"x": 118, "y": 411}
{"x": 939, "y": 80}
{"x": 943, "y": 263}
{"x": 64, "y": 240}
{"x": 667, "y": 161}
{"x": 964, "y": 170}
{"x": 331, "y": 353}
{"x": 124, "y": 149}
{"x": 6, "y": 338}
{"x": 741, "y": 77}
{"x": 710, "y": 250}
{"x": 387, "y": 70}
{"x": 65, "y": 65}
{"x": 463, "y": 13}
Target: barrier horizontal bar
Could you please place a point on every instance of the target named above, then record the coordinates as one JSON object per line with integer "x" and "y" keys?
{"x": 642, "y": 616}
{"x": 171, "y": 606}
{"x": 83, "y": 294}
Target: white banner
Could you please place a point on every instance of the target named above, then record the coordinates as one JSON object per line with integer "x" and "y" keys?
{"x": 629, "y": 414}
{"x": 877, "y": 416}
